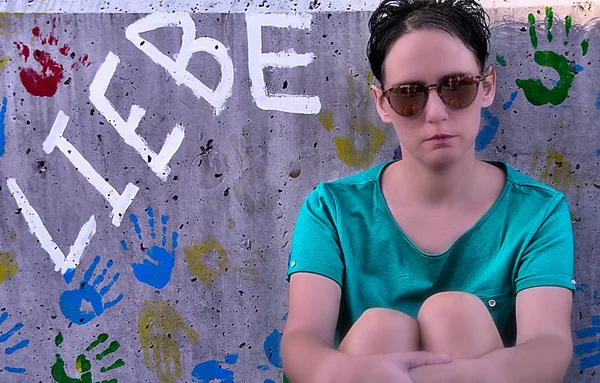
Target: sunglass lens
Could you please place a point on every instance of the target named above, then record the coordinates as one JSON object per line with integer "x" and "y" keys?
{"x": 459, "y": 92}
{"x": 407, "y": 100}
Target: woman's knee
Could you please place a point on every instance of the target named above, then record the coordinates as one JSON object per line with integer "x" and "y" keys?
{"x": 380, "y": 331}
{"x": 452, "y": 304}
{"x": 458, "y": 324}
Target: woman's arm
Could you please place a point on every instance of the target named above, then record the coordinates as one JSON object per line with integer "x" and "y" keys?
{"x": 542, "y": 354}
{"x": 307, "y": 343}
{"x": 544, "y": 343}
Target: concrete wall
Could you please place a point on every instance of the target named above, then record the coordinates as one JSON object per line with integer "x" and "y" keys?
{"x": 153, "y": 164}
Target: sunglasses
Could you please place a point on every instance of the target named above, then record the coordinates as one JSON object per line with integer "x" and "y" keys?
{"x": 455, "y": 91}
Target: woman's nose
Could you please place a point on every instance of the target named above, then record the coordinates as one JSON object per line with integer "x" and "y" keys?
{"x": 435, "y": 109}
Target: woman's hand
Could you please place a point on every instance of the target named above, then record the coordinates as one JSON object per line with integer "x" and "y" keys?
{"x": 392, "y": 367}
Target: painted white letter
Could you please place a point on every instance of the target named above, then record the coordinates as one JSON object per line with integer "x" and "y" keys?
{"x": 37, "y": 228}
{"x": 288, "y": 59}
{"x": 119, "y": 203}
{"x": 189, "y": 45}
{"x": 126, "y": 129}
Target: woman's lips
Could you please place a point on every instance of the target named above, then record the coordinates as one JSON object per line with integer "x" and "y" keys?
{"x": 440, "y": 138}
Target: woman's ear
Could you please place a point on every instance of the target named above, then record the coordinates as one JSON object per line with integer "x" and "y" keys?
{"x": 489, "y": 86}
{"x": 381, "y": 105}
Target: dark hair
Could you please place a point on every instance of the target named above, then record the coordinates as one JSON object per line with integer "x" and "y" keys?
{"x": 464, "y": 19}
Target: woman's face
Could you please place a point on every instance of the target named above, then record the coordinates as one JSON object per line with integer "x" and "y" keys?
{"x": 428, "y": 57}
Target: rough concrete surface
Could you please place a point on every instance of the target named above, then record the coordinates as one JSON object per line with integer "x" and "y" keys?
{"x": 152, "y": 166}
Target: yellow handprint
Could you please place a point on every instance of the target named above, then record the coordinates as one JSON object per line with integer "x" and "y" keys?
{"x": 8, "y": 265}
{"x": 360, "y": 146}
{"x": 159, "y": 325}
{"x": 8, "y": 261}
{"x": 557, "y": 171}
{"x": 200, "y": 256}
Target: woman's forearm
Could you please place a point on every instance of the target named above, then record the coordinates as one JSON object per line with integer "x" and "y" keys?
{"x": 309, "y": 359}
{"x": 543, "y": 359}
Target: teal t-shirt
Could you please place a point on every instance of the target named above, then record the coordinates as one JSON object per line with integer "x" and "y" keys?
{"x": 346, "y": 232}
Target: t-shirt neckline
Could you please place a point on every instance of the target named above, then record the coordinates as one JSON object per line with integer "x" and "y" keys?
{"x": 389, "y": 216}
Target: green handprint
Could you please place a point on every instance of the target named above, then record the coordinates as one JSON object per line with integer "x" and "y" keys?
{"x": 83, "y": 364}
{"x": 535, "y": 91}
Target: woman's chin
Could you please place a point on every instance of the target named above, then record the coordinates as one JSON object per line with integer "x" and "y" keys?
{"x": 442, "y": 159}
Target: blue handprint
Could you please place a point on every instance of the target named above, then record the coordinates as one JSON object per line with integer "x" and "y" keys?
{"x": 211, "y": 371}
{"x": 272, "y": 350}
{"x": 488, "y": 132}
{"x": 4, "y": 337}
{"x": 158, "y": 265}
{"x": 587, "y": 352}
{"x": 71, "y": 301}
{"x": 2, "y": 126}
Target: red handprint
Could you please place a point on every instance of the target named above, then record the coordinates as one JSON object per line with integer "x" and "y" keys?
{"x": 44, "y": 82}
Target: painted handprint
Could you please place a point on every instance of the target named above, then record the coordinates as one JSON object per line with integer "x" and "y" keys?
{"x": 158, "y": 264}
{"x": 3, "y": 126}
{"x": 72, "y": 301}
{"x": 360, "y": 146}
{"x": 272, "y": 351}
{"x": 535, "y": 91}
{"x": 83, "y": 364}
{"x": 587, "y": 353}
{"x": 212, "y": 371}
{"x": 586, "y": 350}
{"x": 159, "y": 325}
{"x": 488, "y": 132}
{"x": 13, "y": 348}
{"x": 8, "y": 265}
{"x": 8, "y": 259}
{"x": 44, "y": 77}
{"x": 272, "y": 348}
{"x": 200, "y": 256}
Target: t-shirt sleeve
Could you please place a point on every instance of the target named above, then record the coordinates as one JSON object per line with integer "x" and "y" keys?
{"x": 315, "y": 243}
{"x": 548, "y": 258}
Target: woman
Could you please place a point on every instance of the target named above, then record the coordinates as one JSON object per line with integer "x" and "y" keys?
{"x": 438, "y": 267}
